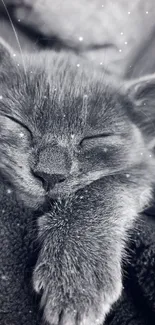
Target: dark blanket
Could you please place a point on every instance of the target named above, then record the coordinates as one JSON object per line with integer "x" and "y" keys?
{"x": 18, "y": 253}
{"x": 137, "y": 304}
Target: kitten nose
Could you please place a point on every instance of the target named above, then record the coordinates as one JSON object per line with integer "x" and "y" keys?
{"x": 49, "y": 180}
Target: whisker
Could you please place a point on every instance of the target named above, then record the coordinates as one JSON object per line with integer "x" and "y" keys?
{"x": 15, "y": 33}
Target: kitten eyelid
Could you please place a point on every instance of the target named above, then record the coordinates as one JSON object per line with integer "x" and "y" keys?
{"x": 20, "y": 123}
{"x": 97, "y": 136}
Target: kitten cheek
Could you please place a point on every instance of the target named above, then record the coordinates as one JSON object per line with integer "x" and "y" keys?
{"x": 31, "y": 201}
{"x": 28, "y": 188}
{"x": 23, "y": 140}
{"x": 31, "y": 193}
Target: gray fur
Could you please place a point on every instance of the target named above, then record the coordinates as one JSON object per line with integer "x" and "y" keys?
{"x": 67, "y": 136}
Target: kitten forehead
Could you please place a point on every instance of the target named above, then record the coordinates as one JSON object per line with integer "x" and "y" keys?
{"x": 56, "y": 96}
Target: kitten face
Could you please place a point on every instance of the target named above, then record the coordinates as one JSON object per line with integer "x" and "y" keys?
{"x": 62, "y": 127}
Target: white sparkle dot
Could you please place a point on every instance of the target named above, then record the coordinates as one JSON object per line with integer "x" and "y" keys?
{"x": 80, "y": 38}
{"x": 31, "y": 71}
{"x": 14, "y": 54}
{"x": 8, "y": 191}
{"x": 18, "y": 64}
{"x": 3, "y": 277}
{"x": 129, "y": 12}
{"x": 121, "y": 33}
{"x": 78, "y": 65}
{"x": 147, "y": 12}
{"x": 19, "y": 20}
{"x": 141, "y": 153}
{"x": 150, "y": 156}
{"x": 1, "y": 97}
{"x": 3, "y": 211}
{"x": 127, "y": 175}
{"x": 102, "y": 6}
{"x": 64, "y": 115}
{"x": 72, "y": 136}
{"x": 130, "y": 66}
{"x": 101, "y": 63}
{"x": 105, "y": 149}
{"x": 126, "y": 43}
{"x": 144, "y": 104}
{"x": 21, "y": 134}
{"x": 120, "y": 50}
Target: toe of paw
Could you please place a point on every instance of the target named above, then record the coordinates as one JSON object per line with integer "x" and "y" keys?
{"x": 39, "y": 278}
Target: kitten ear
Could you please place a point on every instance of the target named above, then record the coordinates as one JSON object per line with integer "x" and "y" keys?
{"x": 6, "y": 54}
{"x": 142, "y": 94}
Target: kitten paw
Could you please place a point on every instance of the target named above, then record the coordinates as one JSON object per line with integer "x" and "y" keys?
{"x": 66, "y": 306}
{"x": 78, "y": 279}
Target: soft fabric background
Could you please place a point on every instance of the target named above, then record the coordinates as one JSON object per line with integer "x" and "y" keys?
{"x": 116, "y": 34}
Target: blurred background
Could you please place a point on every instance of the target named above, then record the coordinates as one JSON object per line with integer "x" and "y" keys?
{"x": 117, "y": 35}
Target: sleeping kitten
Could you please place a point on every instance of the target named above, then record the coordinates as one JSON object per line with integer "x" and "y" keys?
{"x": 68, "y": 136}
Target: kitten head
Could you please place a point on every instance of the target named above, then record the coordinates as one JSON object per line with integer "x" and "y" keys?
{"x": 64, "y": 126}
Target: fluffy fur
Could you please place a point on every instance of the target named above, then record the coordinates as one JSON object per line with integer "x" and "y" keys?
{"x": 68, "y": 139}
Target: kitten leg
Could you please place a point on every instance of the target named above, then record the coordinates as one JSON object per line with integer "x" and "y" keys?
{"x": 80, "y": 278}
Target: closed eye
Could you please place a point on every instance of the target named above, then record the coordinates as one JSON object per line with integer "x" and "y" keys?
{"x": 96, "y": 136}
{"x": 19, "y": 122}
